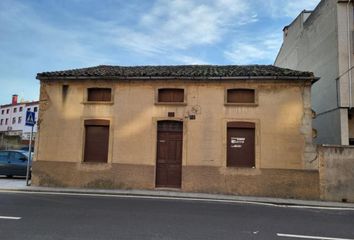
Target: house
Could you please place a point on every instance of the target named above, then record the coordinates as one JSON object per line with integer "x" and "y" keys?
{"x": 13, "y": 132}
{"x": 321, "y": 41}
{"x": 199, "y": 128}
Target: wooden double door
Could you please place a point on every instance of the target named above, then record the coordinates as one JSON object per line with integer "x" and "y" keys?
{"x": 169, "y": 154}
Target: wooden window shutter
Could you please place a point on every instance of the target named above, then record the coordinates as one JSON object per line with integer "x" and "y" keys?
{"x": 96, "y": 141}
{"x": 171, "y": 95}
{"x": 241, "y": 96}
{"x": 99, "y": 94}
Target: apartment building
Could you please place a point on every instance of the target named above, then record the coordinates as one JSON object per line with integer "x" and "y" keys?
{"x": 321, "y": 41}
{"x": 13, "y": 131}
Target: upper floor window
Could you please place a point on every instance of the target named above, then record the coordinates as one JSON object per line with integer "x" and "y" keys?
{"x": 2, "y": 111}
{"x": 35, "y": 109}
{"x": 7, "y": 111}
{"x": 99, "y": 94}
{"x": 2, "y": 121}
{"x": 13, "y": 120}
{"x": 21, "y": 108}
{"x": 242, "y": 96}
{"x": 6, "y": 121}
{"x": 170, "y": 95}
{"x": 19, "y": 120}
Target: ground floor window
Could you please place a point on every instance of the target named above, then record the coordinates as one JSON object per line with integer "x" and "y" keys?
{"x": 240, "y": 144}
{"x": 96, "y": 141}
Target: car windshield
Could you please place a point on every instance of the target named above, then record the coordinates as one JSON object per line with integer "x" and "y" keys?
{"x": 26, "y": 153}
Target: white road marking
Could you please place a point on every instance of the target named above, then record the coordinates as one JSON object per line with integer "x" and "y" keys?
{"x": 10, "y": 218}
{"x": 123, "y": 195}
{"x": 309, "y": 237}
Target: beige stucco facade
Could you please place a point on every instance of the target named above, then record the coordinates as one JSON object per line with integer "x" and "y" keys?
{"x": 286, "y": 164}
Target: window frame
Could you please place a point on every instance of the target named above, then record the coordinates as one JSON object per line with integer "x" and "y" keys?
{"x": 254, "y": 104}
{"x": 86, "y": 90}
{"x": 97, "y": 122}
{"x": 157, "y": 102}
{"x": 241, "y": 124}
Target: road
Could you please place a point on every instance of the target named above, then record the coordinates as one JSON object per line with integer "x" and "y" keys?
{"x": 45, "y": 216}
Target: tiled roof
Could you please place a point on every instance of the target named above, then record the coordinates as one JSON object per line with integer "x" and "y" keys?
{"x": 178, "y": 71}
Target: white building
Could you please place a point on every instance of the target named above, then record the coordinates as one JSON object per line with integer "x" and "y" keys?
{"x": 321, "y": 41}
{"x": 13, "y": 118}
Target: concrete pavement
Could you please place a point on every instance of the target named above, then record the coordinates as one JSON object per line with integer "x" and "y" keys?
{"x": 19, "y": 185}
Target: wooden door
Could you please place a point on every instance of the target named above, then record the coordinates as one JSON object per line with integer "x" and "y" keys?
{"x": 240, "y": 144}
{"x": 96, "y": 140}
{"x": 169, "y": 154}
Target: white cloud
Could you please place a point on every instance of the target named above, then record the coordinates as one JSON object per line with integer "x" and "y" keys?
{"x": 254, "y": 51}
{"x": 289, "y": 8}
{"x": 189, "y": 60}
{"x": 181, "y": 24}
{"x": 44, "y": 41}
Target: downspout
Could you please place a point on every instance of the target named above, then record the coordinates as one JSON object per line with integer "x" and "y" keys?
{"x": 349, "y": 56}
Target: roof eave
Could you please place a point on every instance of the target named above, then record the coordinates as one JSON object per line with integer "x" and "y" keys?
{"x": 311, "y": 78}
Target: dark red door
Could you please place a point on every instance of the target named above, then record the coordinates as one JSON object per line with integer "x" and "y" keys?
{"x": 169, "y": 154}
{"x": 96, "y": 140}
{"x": 240, "y": 144}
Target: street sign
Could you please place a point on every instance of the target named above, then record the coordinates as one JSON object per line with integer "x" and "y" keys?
{"x": 30, "y": 119}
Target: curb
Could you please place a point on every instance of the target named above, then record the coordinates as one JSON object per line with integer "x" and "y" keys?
{"x": 168, "y": 194}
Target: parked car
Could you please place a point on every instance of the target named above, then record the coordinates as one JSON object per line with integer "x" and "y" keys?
{"x": 14, "y": 162}
{"x": 26, "y": 149}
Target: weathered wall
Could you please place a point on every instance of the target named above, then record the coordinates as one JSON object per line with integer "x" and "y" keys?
{"x": 282, "y": 118}
{"x": 319, "y": 45}
{"x": 301, "y": 184}
{"x": 336, "y": 173}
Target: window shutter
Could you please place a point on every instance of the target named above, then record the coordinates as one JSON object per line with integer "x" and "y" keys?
{"x": 99, "y": 94}
{"x": 241, "y": 96}
{"x": 171, "y": 95}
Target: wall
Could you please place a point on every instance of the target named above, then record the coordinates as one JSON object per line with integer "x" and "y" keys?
{"x": 336, "y": 173}
{"x": 312, "y": 45}
{"x": 283, "y": 134}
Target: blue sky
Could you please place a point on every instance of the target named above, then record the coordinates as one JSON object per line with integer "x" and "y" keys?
{"x": 48, "y": 35}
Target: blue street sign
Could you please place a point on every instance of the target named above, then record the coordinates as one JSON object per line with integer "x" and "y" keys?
{"x": 30, "y": 119}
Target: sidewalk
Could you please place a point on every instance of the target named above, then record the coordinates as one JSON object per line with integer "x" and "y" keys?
{"x": 19, "y": 185}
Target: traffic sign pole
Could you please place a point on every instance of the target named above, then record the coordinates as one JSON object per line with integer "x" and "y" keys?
{"x": 29, "y": 157}
{"x": 30, "y": 121}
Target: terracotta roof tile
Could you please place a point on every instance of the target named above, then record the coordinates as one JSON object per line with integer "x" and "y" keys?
{"x": 176, "y": 71}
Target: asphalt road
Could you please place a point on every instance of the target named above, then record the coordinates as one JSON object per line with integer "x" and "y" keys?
{"x": 42, "y": 216}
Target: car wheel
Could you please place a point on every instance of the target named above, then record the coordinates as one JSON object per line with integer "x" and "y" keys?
{"x": 9, "y": 176}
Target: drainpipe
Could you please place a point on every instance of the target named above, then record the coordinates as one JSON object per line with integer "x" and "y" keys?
{"x": 349, "y": 56}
